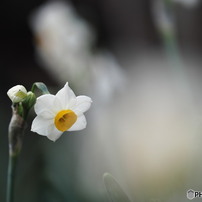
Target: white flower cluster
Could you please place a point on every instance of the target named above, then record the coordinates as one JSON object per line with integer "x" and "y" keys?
{"x": 55, "y": 113}
{"x": 63, "y": 40}
{"x": 64, "y": 43}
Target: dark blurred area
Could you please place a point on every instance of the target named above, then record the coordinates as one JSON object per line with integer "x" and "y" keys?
{"x": 124, "y": 22}
{"x": 17, "y": 44}
{"x": 127, "y": 29}
{"x": 117, "y": 23}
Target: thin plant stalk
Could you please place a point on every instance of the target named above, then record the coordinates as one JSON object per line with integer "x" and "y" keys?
{"x": 164, "y": 18}
{"x": 16, "y": 129}
{"x": 172, "y": 49}
{"x": 11, "y": 178}
{"x": 15, "y": 135}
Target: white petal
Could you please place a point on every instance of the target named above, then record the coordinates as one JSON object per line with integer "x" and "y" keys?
{"x": 80, "y": 124}
{"x": 41, "y": 125}
{"x": 46, "y": 106}
{"x": 46, "y": 128}
{"x": 54, "y": 135}
{"x": 16, "y": 89}
{"x": 83, "y": 103}
{"x": 66, "y": 96}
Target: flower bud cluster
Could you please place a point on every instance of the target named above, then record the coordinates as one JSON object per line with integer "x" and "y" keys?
{"x": 21, "y": 98}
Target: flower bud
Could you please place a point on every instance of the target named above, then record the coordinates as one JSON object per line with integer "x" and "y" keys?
{"x": 17, "y": 93}
{"x": 30, "y": 100}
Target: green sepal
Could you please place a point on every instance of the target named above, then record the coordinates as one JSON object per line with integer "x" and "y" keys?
{"x": 19, "y": 109}
{"x": 41, "y": 86}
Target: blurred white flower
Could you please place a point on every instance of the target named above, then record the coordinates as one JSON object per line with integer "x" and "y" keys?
{"x": 63, "y": 40}
{"x": 59, "y": 113}
{"x": 108, "y": 76}
{"x": 17, "y": 93}
{"x": 147, "y": 136}
{"x": 64, "y": 45}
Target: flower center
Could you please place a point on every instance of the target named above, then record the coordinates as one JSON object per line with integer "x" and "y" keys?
{"x": 65, "y": 119}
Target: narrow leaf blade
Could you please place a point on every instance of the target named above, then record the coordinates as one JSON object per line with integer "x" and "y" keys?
{"x": 114, "y": 190}
{"x": 41, "y": 86}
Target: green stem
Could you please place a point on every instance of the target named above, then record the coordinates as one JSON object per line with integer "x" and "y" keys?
{"x": 172, "y": 48}
{"x": 15, "y": 137}
{"x": 11, "y": 178}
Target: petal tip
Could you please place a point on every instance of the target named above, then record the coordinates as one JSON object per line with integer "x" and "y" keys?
{"x": 54, "y": 137}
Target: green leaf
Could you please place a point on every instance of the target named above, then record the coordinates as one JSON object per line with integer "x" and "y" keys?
{"x": 114, "y": 190}
{"x": 41, "y": 86}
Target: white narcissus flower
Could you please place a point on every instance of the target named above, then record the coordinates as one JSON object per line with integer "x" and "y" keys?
{"x": 17, "y": 93}
{"x": 59, "y": 113}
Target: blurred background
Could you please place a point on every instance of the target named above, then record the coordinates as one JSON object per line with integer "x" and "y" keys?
{"x": 140, "y": 62}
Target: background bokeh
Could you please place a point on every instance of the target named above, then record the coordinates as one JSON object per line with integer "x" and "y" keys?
{"x": 140, "y": 62}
